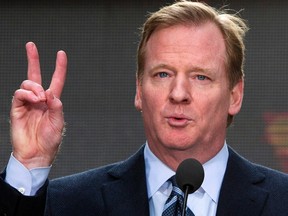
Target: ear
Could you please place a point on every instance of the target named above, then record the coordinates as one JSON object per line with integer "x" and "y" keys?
{"x": 236, "y": 98}
{"x": 138, "y": 96}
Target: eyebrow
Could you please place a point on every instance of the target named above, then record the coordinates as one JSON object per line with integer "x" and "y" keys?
{"x": 159, "y": 66}
{"x": 192, "y": 69}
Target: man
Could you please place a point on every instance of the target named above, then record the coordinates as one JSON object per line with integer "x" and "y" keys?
{"x": 190, "y": 84}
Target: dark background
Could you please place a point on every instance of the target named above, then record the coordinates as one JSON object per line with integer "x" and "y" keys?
{"x": 100, "y": 38}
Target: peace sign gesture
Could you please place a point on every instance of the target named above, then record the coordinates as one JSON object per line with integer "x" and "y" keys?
{"x": 37, "y": 120}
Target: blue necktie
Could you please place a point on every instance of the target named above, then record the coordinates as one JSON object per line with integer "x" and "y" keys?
{"x": 174, "y": 203}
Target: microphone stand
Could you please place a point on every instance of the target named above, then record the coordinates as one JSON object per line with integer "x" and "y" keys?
{"x": 185, "y": 201}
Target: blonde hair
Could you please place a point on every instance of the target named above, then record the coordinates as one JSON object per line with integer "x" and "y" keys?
{"x": 186, "y": 12}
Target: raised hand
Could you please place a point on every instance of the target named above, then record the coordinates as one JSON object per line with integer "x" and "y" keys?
{"x": 37, "y": 120}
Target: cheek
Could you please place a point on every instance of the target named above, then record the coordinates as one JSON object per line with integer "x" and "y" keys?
{"x": 213, "y": 107}
{"x": 152, "y": 95}
{"x": 151, "y": 101}
{"x": 153, "y": 104}
{"x": 150, "y": 110}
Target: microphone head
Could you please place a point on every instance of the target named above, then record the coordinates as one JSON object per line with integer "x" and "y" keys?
{"x": 189, "y": 173}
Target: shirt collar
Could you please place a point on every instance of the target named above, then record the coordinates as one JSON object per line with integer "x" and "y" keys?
{"x": 157, "y": 173}
{"x": 214, "y": 170}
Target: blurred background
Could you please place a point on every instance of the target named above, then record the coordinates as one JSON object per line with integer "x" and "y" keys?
{"x": 100, "y": 38}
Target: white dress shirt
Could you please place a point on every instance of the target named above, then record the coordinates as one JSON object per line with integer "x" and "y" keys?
{"x": 27, "y": 182}
{"x": 202, "y": 202}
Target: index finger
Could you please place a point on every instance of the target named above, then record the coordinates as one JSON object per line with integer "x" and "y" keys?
{"x": 59, "y": 76}
{"x": 33, "y": 72}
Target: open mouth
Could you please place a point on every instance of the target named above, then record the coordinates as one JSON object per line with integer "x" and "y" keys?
{"x": 177, "y": 122}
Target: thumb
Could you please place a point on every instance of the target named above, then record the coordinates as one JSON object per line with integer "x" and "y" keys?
{"x": 55, "y": 109}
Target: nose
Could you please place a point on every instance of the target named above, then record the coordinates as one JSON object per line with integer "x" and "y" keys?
{"x": 180, "y": 91}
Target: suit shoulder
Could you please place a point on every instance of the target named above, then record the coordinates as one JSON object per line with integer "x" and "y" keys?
{"x": 274, "y": 176}
{"x": 87, "y": 179}
{"x": 271, "y": 179}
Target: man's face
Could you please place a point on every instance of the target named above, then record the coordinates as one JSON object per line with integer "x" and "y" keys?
{"x": 184, "y": 95}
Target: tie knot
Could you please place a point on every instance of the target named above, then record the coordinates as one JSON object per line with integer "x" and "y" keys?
{"x": 175, "y": 190}
{"x": 173, "y": 181}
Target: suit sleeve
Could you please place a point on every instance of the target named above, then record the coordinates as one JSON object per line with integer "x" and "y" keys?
{"x": 13, "y": 203}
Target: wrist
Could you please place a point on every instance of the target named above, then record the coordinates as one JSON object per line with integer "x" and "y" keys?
{"x": 33, "y": 162}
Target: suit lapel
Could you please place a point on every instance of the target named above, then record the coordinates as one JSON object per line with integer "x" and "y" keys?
{"x": 127, "y": 195}
{"x": 240, "y": 192}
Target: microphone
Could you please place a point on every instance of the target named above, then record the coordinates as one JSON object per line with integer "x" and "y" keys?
{"x": 189, "y": 177}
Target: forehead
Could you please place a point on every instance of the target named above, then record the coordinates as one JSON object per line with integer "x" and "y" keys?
{"x": 196, "y": 43}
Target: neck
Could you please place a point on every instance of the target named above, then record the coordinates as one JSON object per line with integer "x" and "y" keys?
{"x": 172, "y": 157}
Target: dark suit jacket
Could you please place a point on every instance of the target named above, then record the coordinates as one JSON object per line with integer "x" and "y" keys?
{"x": 13, "y": 203}
{"x": 120, "y": 189}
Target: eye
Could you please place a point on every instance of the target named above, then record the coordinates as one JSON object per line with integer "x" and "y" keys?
{"x": 201, "y": 77}
{"x": 162, "y": 74}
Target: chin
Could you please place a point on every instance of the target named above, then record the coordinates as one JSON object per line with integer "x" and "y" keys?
{"x": 178, "y": 144}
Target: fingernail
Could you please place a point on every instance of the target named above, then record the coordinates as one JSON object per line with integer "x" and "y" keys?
{"x": 42, "y": 95}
